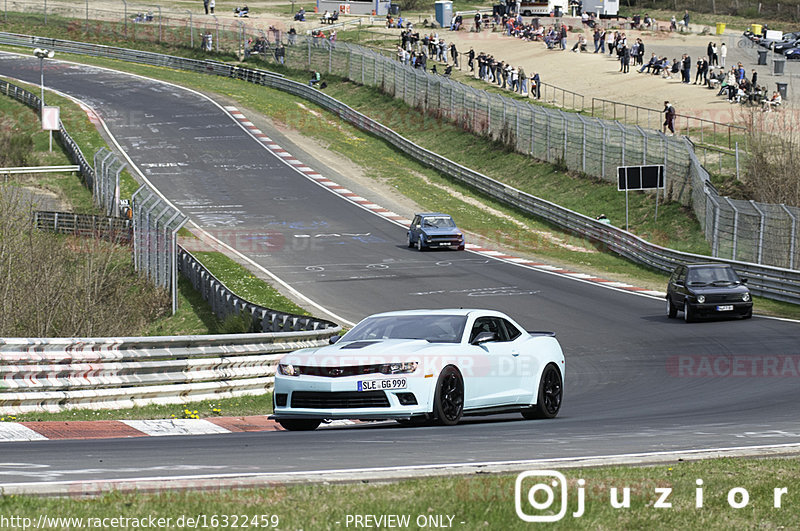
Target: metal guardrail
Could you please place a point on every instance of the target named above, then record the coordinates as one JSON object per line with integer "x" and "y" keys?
{"x": 773, "y": 282}
{"x": 115, "y": 229}
{"x": 94, "y": 373}
{"x": 225, "y": 302}
{"x": 38, "y": 169}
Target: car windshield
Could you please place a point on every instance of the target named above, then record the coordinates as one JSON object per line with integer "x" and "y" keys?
{"x": 441, "y": 222}
{"x": 433, "y": 328}
{"x": 718, "y": 276}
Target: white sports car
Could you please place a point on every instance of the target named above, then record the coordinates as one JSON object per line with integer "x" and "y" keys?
{"x": 420, "y": 365}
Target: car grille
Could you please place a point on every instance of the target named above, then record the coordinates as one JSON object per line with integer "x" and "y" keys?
{"x": 337, "y": 372}
{"x": 339, "y": 400}
{"x": 725, "y": 297}
{"x": 445, "y": 238}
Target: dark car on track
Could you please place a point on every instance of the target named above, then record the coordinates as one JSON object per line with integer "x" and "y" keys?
{"x": 433, "y": 229}
{"x": 707, "y": 290}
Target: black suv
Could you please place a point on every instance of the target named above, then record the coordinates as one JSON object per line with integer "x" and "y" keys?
{"x": 707, "y": 289}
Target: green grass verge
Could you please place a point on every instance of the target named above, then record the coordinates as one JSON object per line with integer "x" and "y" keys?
{"x": 221, "y": 407}
{"x": 471, "y": 502}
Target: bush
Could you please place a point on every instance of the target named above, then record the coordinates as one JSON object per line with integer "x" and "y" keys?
{"x": 56, "y": 286}
{"x": 16, "y": 149}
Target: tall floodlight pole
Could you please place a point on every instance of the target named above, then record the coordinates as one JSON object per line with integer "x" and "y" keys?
{"x": 42, "y": 54}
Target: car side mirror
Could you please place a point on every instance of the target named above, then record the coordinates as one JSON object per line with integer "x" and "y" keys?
{"x": 334, "y": 339}
{"x": 679, "y": 283}
{"x": 484, "y": 337}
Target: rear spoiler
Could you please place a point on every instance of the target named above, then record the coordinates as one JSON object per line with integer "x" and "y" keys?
{"x": 541, "y": 333}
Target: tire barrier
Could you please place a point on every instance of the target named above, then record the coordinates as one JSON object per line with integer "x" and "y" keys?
{"x": 111, "y": 373}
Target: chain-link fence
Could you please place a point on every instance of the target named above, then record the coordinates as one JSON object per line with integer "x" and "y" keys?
{"x": 105, "y": 189}
{"x": 155, "y": 228}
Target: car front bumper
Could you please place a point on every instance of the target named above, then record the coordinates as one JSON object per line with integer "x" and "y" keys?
{"x": 712, "y": 308}
{"x": 322, "y": 388}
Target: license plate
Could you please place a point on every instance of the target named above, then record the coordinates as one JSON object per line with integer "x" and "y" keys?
{"x": 382, "y": 384}
{"x": 726, "y": 308}
{"x": 445, "y": 243}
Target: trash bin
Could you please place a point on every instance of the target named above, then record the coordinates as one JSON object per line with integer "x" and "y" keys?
{"x": 782, "y": 89}
{"x": 762, "y": 57}
{"x": 558, "y": 13}
{"x": 778, "y": 66}
{"x": 720, "y": 28}
{"x": 756, "y": 29}
{"x": 394, "y": 9}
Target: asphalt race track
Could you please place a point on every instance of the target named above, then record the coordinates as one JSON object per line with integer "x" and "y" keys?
{"x": 625, "y": 391}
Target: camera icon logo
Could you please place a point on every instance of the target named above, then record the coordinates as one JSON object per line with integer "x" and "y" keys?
{"x": 541, "y": 496}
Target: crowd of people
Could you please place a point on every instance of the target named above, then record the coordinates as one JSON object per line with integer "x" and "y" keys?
{"x": 416, "y": 51}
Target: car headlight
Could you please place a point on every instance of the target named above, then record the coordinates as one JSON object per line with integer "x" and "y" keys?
{"x": 745, "y": 297}
{"x": 701, "y": 299}
{"x": 399, "y": 368}
{"x": 287, "y": 369}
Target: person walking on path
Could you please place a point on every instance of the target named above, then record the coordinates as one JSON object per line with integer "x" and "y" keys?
{"x": 669, "y": 118}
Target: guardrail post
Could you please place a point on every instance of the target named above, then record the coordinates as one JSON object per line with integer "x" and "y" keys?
{"x": 602, "y": 149}
{"x": 792, "y": 235}
{"x": 583, "y": 144}
{"x": 760, "y": 230}
{"x": 737, "y": 160}
{"x": 644, "y": 142}
{"x": 735, "y": 227}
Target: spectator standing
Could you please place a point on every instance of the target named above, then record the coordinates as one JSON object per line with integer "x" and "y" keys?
{"x": 624, "y": 55}
{"x": 687, "y": 69}
{"x": 755, "y": 77}
{"x": 702, "y": 71}
{"x": 280, "y": 53}
{"x": 477, "y": 22}
{"x": 596, "y": 38}
{"x": 523, "y": 82}
{"x": 723, "y": 53}
{"x": 563, "y": 36}
{"x": 205, "y": 5}
{"x": 673, "y": 24}
{"x": 686, "y": 19}
{"x": 536, "y": 86}
{"x": 471, "y": 60}
{"x": 292, "y": 35}
{"x": 601, "y": 47}
{"x": 669, "y": 118}
{"x": 454, "y": 54}
{"x": 211, "y": 6}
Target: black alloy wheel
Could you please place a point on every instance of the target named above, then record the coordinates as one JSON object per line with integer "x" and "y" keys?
{"x": 551, "y": 391}
{"x": 448, "y": 404}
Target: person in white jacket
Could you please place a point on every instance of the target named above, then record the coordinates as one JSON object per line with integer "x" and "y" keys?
{"x": 723, "y": 52}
